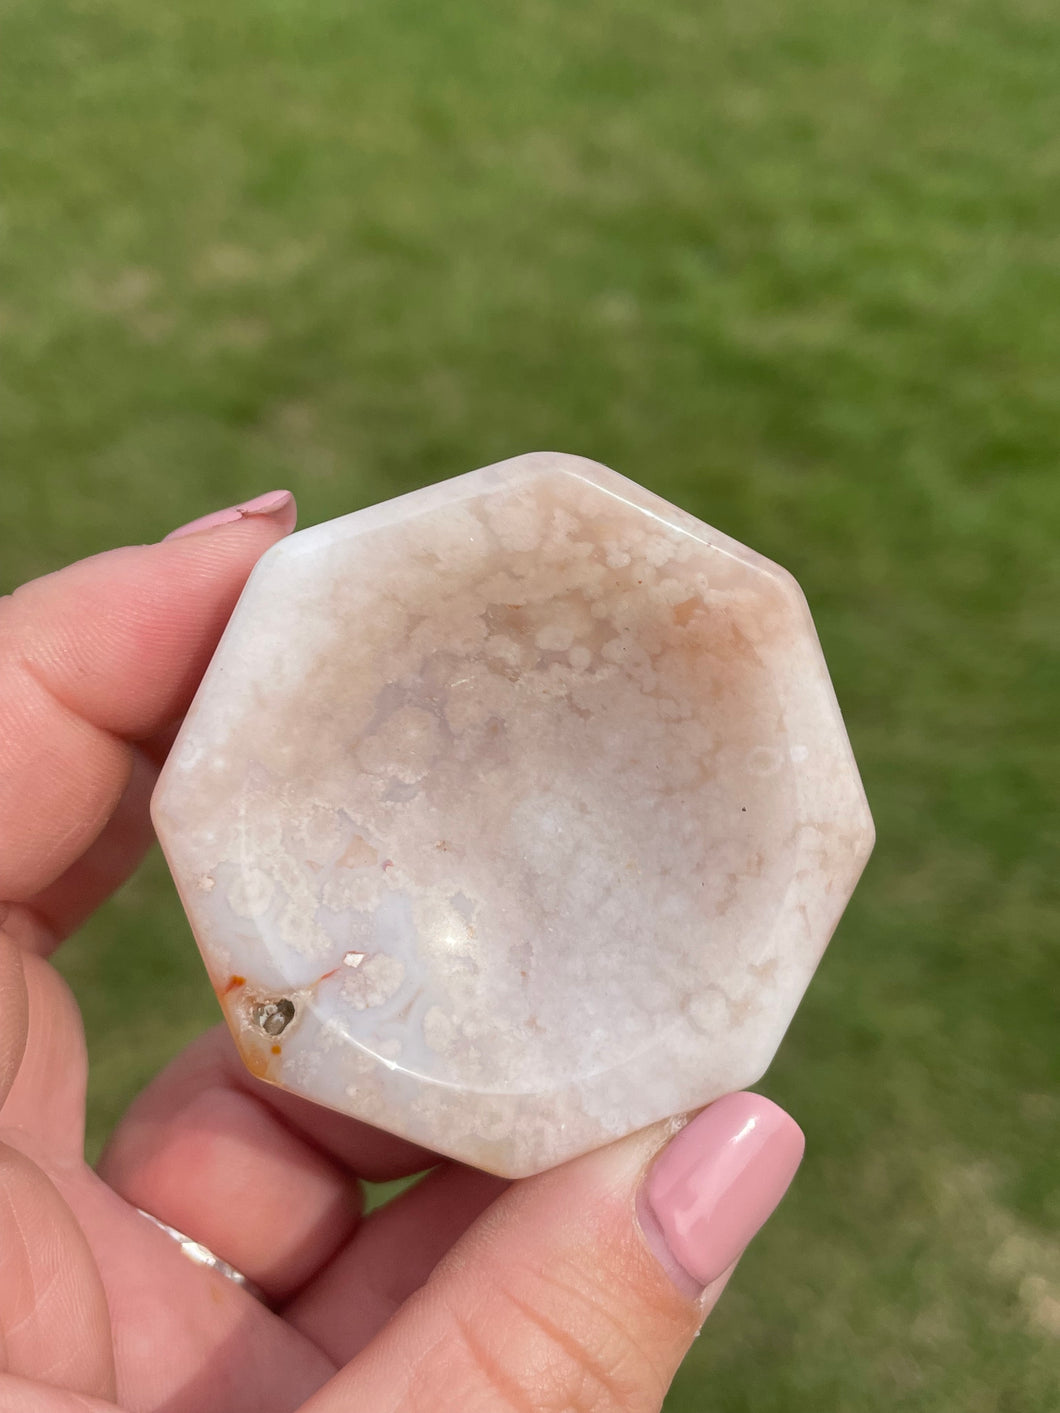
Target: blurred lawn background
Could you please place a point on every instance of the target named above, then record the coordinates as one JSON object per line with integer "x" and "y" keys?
{"x": 796, "y": 266}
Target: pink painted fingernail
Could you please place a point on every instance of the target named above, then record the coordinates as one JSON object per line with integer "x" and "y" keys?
{"x": 715, "y": 1184}
{"x": 276, "y": 505}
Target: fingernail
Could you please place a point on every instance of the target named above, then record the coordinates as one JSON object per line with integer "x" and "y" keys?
{"x": 715, "y": 1184}
{"x": 275, "y": 505}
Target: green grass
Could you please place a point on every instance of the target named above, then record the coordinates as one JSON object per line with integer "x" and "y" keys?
{"x": 797, "y": 267}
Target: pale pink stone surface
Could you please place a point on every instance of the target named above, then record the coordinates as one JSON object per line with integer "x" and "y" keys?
{"x": 530, "y": 792}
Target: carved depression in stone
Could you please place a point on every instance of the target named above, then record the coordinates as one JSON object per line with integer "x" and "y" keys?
{"x": 515, "y": 813}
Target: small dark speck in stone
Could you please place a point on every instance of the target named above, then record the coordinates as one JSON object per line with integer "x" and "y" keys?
{"x": 275, "y": 1016}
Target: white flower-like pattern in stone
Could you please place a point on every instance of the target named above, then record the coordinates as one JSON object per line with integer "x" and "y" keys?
{"x": 515, "y": 813}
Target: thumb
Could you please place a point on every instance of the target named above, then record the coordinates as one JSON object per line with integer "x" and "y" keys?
{"x": 582, "y": 1288}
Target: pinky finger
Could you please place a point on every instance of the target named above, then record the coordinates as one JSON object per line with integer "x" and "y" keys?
{"x": 54, "y": 1320}
{"x": 28, "y": 1396}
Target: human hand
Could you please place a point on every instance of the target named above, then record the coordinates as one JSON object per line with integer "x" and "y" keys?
{"x": 579, "y": 1289}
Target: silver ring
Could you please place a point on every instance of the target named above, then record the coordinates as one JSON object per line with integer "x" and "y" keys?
{"x": 203, "y": 1256}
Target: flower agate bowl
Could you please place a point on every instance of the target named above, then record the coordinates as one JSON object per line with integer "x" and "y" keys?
{"x": 514, "y": 814}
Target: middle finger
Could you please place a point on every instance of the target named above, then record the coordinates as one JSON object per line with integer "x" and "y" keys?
{"x": 267, "y": 1181}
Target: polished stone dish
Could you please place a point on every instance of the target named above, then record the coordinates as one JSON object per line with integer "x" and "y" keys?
{"x": 515, "y": 813}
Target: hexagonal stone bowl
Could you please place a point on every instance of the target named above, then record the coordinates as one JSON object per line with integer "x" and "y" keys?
{"x": 515, "y": 813}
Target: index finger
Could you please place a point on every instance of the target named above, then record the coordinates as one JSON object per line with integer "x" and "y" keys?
{"x": 96, "y": 660}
